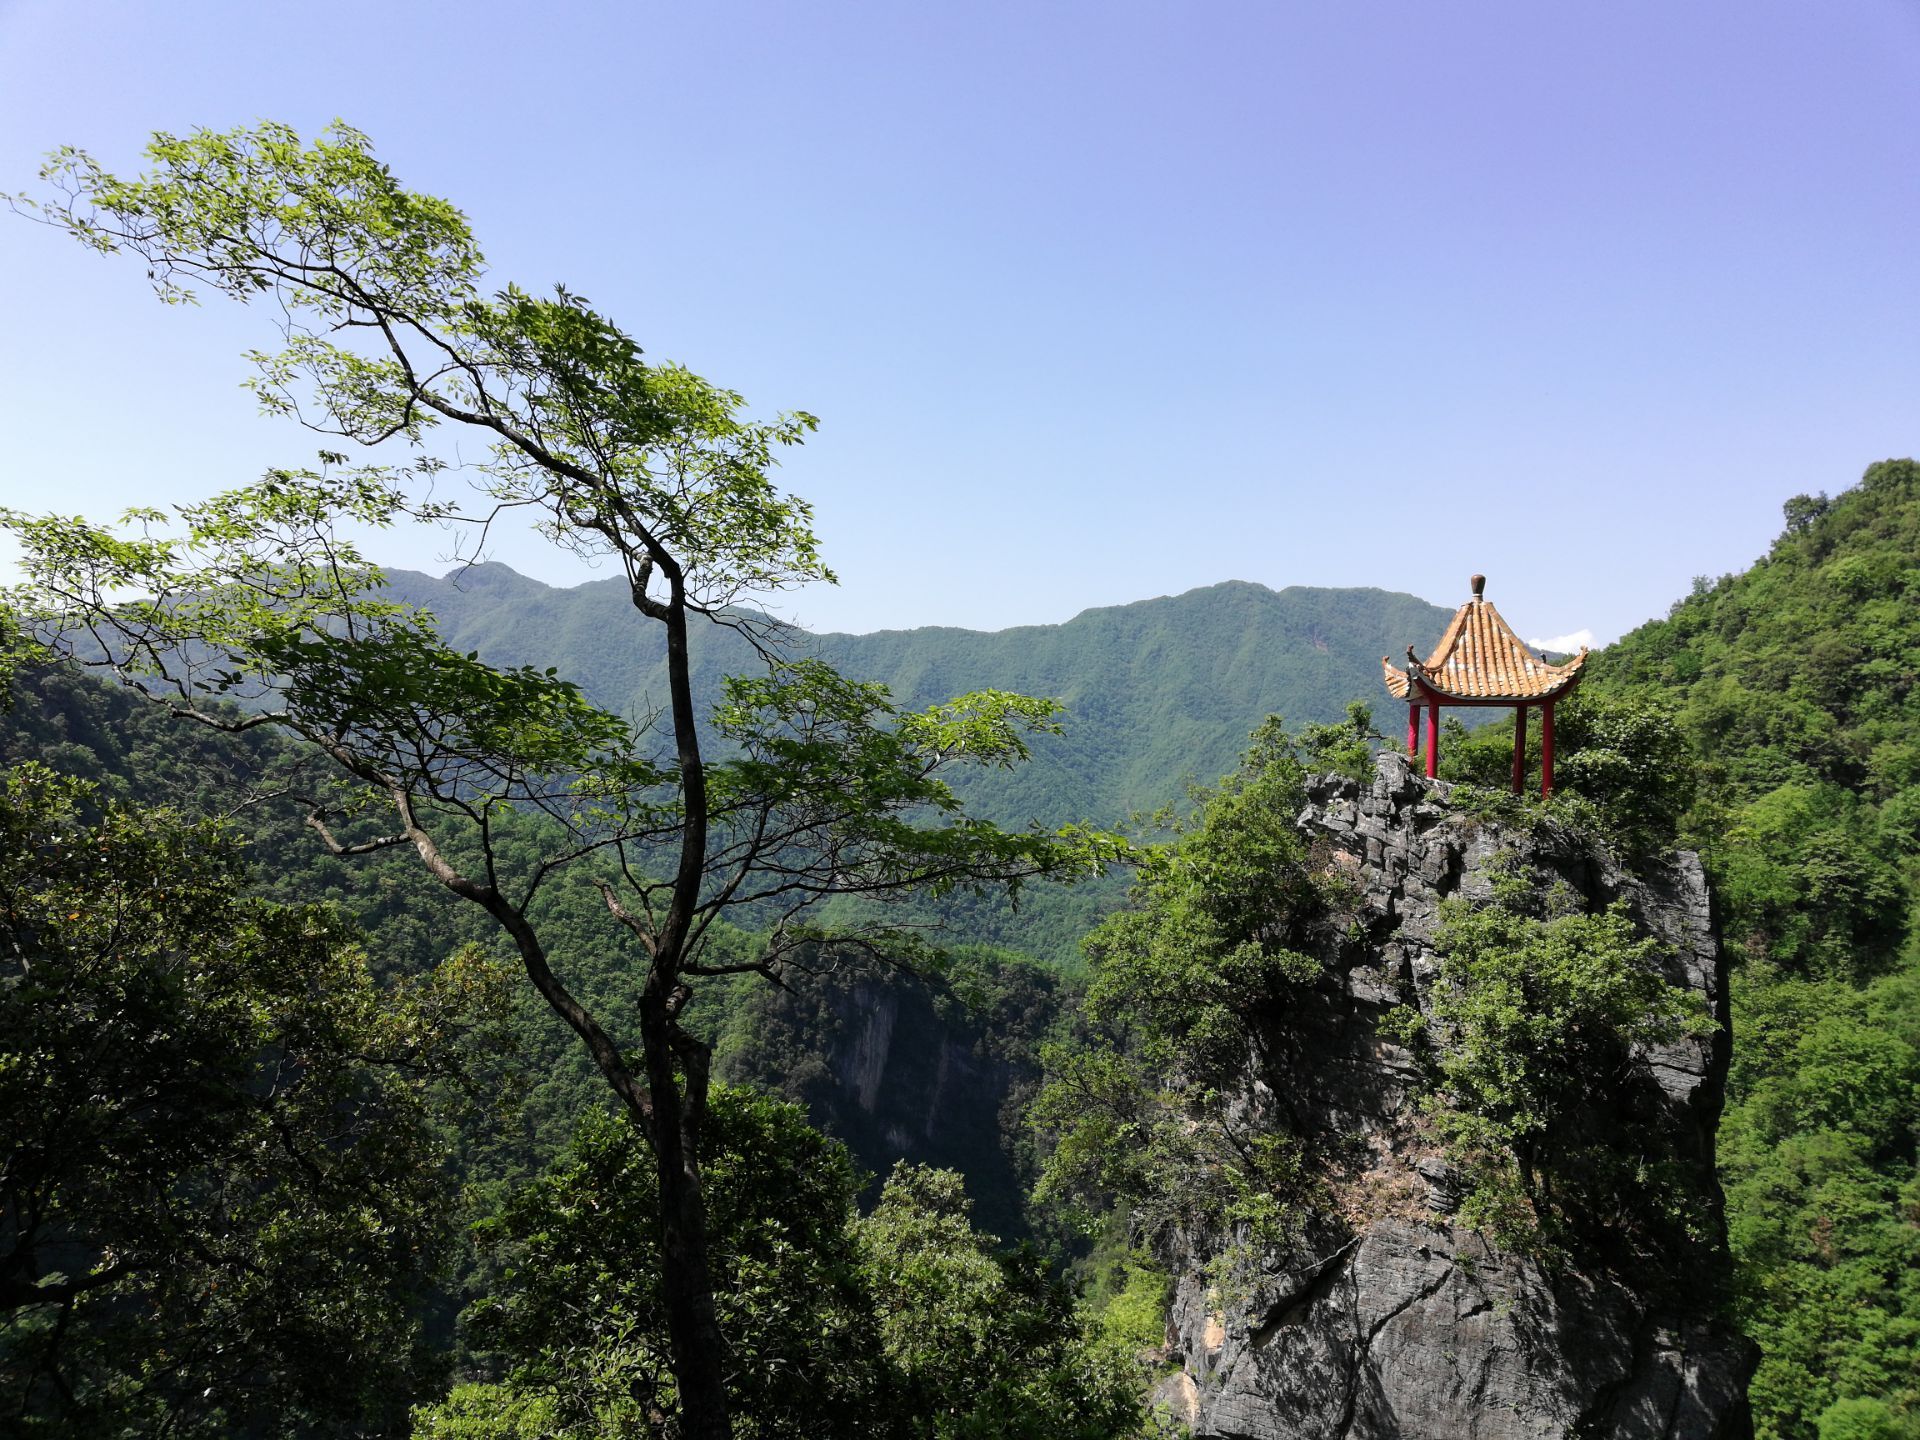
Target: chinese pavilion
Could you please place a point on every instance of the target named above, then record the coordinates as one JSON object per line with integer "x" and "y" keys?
{"x": 1481, "y": 662}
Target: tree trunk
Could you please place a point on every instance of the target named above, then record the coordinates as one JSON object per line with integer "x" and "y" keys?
{"x": 693, "y": 1326}
{"x": 686, "y": 1280}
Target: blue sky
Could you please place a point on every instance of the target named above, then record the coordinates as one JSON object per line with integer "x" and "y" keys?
{"x": 1095, "y": 301}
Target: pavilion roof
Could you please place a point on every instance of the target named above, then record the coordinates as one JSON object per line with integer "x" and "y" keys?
{"x": 1481, "y": 659}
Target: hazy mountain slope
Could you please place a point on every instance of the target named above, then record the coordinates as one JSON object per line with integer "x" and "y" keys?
{"x": 1158, "y": 692}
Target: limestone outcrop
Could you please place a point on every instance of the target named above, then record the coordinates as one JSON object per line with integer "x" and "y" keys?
{"x": 1388, "y": 1317}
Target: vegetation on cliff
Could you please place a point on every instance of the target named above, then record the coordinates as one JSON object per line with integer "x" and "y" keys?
{"x": 1145, "y": 1108}
{"x": 1542, "y": 1007}
{"x": 1199, "y": 1002}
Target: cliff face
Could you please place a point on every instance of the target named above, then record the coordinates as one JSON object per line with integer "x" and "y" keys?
{"x": 898, "y": 1071}
{"x": 1387, "y": 1318}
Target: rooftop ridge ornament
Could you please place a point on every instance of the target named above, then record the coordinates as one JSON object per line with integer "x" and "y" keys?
{"x": 1481, "y": 662}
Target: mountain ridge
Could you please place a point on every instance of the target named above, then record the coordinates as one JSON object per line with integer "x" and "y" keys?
{"x": 491, "y": 573}
{"x": 1158, "y": 692}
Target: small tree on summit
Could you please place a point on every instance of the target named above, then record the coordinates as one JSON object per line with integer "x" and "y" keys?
{"x": 824, "y": 788}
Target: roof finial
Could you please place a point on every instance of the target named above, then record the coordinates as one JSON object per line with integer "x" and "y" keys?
{"x": 1479, "y": 583}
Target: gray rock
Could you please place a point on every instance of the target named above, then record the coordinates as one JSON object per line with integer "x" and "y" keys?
{"x": 1388, "y": 1319}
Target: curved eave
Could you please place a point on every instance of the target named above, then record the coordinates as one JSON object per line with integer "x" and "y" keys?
{"x": 1396, "y": 678}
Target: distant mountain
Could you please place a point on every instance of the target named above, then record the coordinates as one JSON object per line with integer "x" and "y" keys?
{"x": 1158, "y": 692}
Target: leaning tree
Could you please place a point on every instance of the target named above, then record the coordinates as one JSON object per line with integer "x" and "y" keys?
{"x": 801, "y": 786}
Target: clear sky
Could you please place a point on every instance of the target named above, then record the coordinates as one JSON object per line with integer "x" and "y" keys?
{"x": 1096, "y": 301}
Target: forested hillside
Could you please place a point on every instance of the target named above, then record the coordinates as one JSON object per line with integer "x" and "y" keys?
{"x": 1798, "y": 684}
{"x": 1793, "y": 691}
{"x": 450, "y": 1134}
{"x": 1158, "y": 693}
{"x": 985, "y": 1024}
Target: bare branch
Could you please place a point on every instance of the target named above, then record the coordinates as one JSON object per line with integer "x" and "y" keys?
{"x": 359, "y": 847}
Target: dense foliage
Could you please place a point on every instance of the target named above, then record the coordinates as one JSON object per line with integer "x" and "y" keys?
{"x": 1541, "y": 1008}
{"x": 576, "y": 1305}
{"x": 223, "y": 1200}
{"x": 1623, "y": 768}
{"x": 906, "y": 1324}
{"x": 1186, "y": 987}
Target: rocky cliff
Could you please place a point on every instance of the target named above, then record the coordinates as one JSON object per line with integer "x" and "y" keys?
{"x": 898, "y": 1068}
{"x": 1387, "y": 1317}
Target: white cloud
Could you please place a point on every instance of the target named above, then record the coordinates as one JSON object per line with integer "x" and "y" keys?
{"x": 1564, "y": 644}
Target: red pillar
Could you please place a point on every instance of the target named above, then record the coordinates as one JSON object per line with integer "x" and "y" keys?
{"x": 1546, "y": 748}
{"x": 1413, "y": 729}
{"x": 1519, "y": 748}
{"x": 1433, "y": 738}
